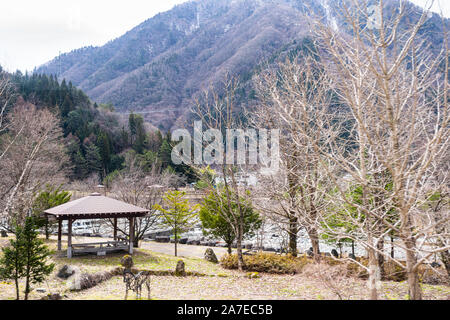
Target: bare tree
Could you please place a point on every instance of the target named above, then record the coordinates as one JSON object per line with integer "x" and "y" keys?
{"x": 438, "y": 205}
{"x": 34, "y": 150}
{"x": 278, "y": 202}
{"x": 7, "y": 96}
{"x": 134, "y": 185}
{"x": 290, "y": 98}
{"x": 81, "y": 188}
{"x": 396, "y": 94}
{"x": 384, "y": 132}
{"x": 219, "y": 112}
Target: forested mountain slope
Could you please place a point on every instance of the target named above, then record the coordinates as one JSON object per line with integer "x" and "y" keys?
{"x": 157, "y": 67}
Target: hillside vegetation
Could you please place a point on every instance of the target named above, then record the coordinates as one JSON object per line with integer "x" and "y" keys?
{"x": 160, "y": 65}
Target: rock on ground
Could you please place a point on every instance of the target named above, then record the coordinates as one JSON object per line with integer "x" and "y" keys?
{"x": 211, "y": 256}
{"x": 66, "y": 271}
{"x": 180, "y": 268}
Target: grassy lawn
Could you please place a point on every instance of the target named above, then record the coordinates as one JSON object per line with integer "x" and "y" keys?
{"x": 218, "y": 283}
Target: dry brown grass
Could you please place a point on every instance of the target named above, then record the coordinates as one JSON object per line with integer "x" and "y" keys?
{"x": 328, "y": 280}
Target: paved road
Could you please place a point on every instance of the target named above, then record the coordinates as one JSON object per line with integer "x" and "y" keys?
{"x": 183, "y": 249}
{"x": 166, "y": 248}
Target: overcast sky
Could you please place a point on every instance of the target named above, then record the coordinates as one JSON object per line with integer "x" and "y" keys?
{"x": 33, "y": 32}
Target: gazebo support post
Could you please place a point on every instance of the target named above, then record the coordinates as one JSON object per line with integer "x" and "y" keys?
{"x": 59, "y": 233}
{"x": 115, "y": 229}
{"x": 69, "y": 238}
{"x": 131, "y": 237}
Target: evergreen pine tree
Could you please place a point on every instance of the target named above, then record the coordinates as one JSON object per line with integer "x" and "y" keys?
{"x": 12, "y": 261}
{"x": 48, "y": 198}
{"x": 81, "y": 166}
{"x": 141, "y": 136}
{"x": 66, "y": 106}
{"x": 93, "y": 158}
{"x": 165, "y": 154}
{"x": 177, "y": 213}
{"x": 35, "y": 255}
{"x": 26, "y": 257}
{"x": 124, "y": 138}
{"x": 132, "y": 126}
{"x": 103, "y": 145}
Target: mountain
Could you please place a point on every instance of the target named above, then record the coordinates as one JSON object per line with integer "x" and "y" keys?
{"x": 157, "y": 67}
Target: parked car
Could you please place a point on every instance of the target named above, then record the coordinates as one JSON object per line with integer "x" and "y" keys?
{"x": 162, "y": 239}
{"x": 193, "y": 241}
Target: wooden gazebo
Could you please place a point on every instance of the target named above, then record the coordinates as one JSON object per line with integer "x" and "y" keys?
{"x": 95, "y": 206}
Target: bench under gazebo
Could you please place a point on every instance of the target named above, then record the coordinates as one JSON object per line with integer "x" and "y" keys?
{"x": 96, "y": 206}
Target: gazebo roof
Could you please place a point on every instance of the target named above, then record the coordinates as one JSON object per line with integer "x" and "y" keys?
{"x": 96, "y": 206}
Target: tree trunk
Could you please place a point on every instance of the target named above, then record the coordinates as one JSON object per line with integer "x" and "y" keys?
{"x": 392, "y": 247}
{"x": 314, "y": 237}
{"x": 414, "y": 289}
{"x": 441, "y": 229}
{"x": 176, "y": 247}
{"x": 380, "y": 258}
{"x": 445, "y": 257}
{"x": 27, "y": 287}
{"x": 47, "y": 234}
{"x": 175, "y": 237}
{"x": 293, "y": 230}
{"x": 229, "y": 247}
{"x": 373, "y": 278}
{"x": 239, "y": 245}
{"x": 353, "y": 248}
{"x": 136, "y": 241}
{"x": 16, "y": 280}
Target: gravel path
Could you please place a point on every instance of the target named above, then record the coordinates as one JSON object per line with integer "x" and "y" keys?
{"x": 184, "y": 250}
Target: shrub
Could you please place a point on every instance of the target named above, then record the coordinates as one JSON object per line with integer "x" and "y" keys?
{"x": 222, "y": 275}
{"x": 394, "y": 272}
{"x": 119, "y": 272}
{"x": 355, "y": 270}
{"x": 253, "y": 275}
{"x": 331, "y": 261}
{"x": 83, "y": 281}
{"x": 429, "y": 276}
{"x": 266, "y": 262}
